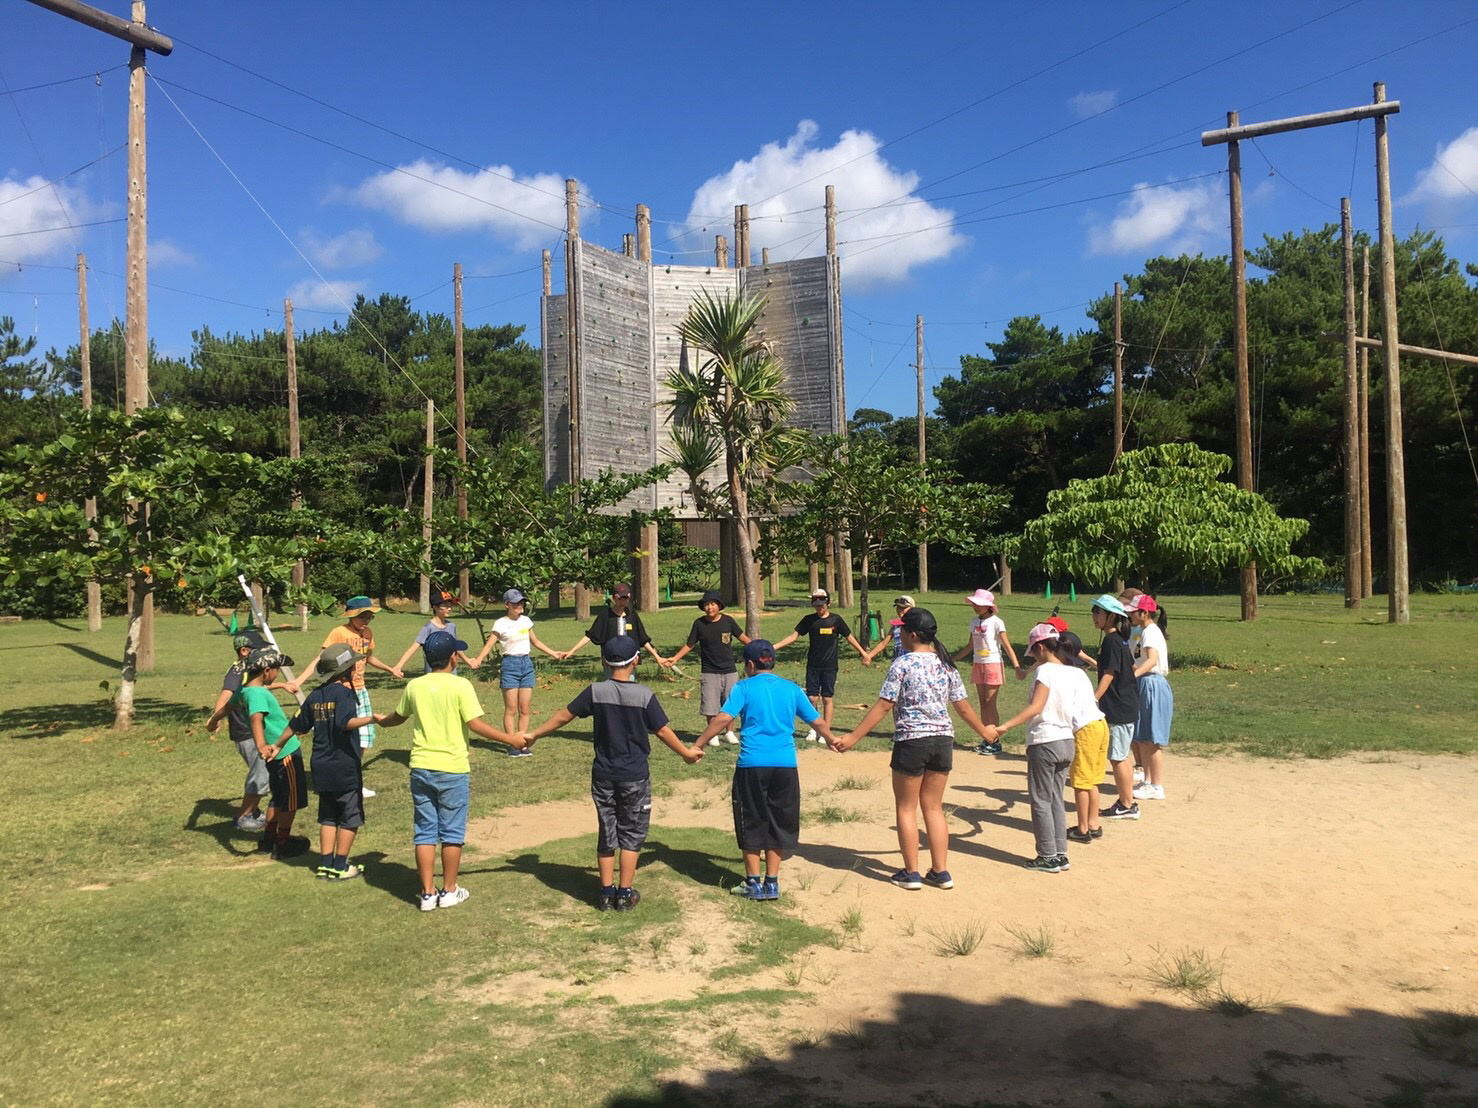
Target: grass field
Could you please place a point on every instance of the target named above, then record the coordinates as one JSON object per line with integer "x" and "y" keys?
{"x": 147, "y": 953}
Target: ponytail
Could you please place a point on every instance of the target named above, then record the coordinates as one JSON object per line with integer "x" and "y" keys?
{"x": 1162, "y": 621}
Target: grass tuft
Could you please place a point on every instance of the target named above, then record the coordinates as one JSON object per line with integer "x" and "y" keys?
{"x": 1227, "y": 1003}
{"x": 1185, "y": 971}
{"x": 958, "y": 940}
{"x": 854, "y": 782}
{"x": 1039, "y": 942}
{"x": 1447, "y": 1036}
{"x": 835, "y": 813}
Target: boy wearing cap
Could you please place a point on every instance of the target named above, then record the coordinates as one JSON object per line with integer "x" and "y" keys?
{"x": 624, "y": 714}
{"x": 249, "y": 818}
{"x": 329, "y": 713}
{"x": 441, "y": 613}
{"x": 714, "y": 634}
{"x": 357, "y": 636}
{"x": 824, "y": 629}
{"x": 766, "y": 793}
{"x": 444, "y": 707}
{"x": 617, "y": 619}
{"x": 514, "y": 634}
{"x": 284, "y": 757}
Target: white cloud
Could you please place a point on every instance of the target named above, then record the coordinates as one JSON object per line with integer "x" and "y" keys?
{"x": 1165, "y": 218}
{"x": 1453, "y": 174}
{"x": 325, "y": 296}
{"x": 352, "y": 248}
{"x": 882, "y": 232}
{"x": 437, "y": 198}
{"x": 162, "y": 253}
{"x": 35, "y": 217}
{"x": 1092, "y": 103}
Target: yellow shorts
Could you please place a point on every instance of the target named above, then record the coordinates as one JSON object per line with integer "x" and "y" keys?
{"x": 1090, "y": 755}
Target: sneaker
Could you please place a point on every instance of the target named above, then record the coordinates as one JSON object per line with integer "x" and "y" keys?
{"x": 293, "y": 847}
{"x": 1139, "y": 775}
{"x": 770, "y": 889}
{"x": 428, "y": 902}
{"x": 607, "y": 898}
{"x": 1040, "y": 864}
{"x": 366, "y": 792}
{"x": 1118, "y": 811}
{"x": 906, "y": 880}
{"x": 715, "y": 741}
{"x": 450, "y": 898}
{"x": 988, "y": 748}
{"x": 348, "y": 873}
{"x": 627, "y": 899}
{"x": 251, "y": 822}
{"x": 731, "y": 738}
{"x": 525, "y": 753}
{"x": 747, "y": 888}
{"x": 940, "y": 879}
{"x": 265, "y": 844}
{"x": 1147, "y": 791}
{"x": 1082, "y": 836}
{"x": 812, "y": 737}
{"x": 1063, "y": 863}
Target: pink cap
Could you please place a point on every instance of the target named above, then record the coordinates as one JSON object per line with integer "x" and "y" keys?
{"x": 982, "y": 598}
{"x": 1144, "y": 602}
{"x": 1040, "y": 632}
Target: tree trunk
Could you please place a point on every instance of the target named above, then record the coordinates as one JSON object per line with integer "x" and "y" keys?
{"x": 749, "y": 578}
{"x": 864, "y": 568}
{"x": 123, "y": 705}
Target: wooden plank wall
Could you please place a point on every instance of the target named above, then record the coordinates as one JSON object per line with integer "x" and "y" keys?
{"x": 797, "y": 323}
{"x": 555, "y": 339}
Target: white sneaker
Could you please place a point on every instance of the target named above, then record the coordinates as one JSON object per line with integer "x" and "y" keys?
{"x": 1146, "y": 791}
{"x": 366, "y": 791}
{"x": 715, "y": 741}
{"x": 812, "y": 737}
{"x": 731, "y": 738}
{"x": 428, "y": 902}
{"x": 450, "y": 898}
{"x": 1139, "y": 775}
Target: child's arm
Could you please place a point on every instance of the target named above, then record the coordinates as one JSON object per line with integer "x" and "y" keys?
{"x": 1030, "y": 712}
{"x": 861, "y": 650}
{"x": 971, "y": 717}
{"x": 716, "y": 726}
{"x": 1103, "y": 685}
{"x": 583, "y": 640}
{"x": 389, "y": 719}
{"x": 552, "y": 724}
{"x": 377, "y": 664}
{"x": 678, "y": 655}
{"x": 466, "y": 661}
{"x": 404, "y": 658}
{"x": 218, "y": 713}
{"x": 534, "y": 640}
{"x": 258, "y": 737}
{"x": 1151, "y": 660}
{"x": 869, "y": 721}
{"x": 1010, "y": 652}
{"x": 676, "y": 745}
{"x": 497, "y": 734}
{"x": 790, "y": 638}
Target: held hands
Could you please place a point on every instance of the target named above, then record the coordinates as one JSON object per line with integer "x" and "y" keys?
{"x": 692, "y": 755}
{"x": 1020, "y": 675}
{"x": 213, "y": 725}
{"x": 395, "y": 671}
{"x": 843, "y": 743}
{"x": 990, "y": 733}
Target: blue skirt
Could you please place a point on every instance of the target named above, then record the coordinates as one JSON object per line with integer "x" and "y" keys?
{"x": 1156, "y": 707}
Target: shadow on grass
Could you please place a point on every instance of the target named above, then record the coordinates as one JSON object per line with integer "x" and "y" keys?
{"x": 216, "y": 817}
{"x": 113, "y": 664}
{"x": 41, "y": 720}
{"x": 397, "y": 879}
{"x": 1150, "y": 1052}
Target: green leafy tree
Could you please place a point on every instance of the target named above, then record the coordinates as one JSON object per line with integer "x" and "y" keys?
{"x": 1165, "y": 513}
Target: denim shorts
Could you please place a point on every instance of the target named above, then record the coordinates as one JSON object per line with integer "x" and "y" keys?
{"x": 440, "y": 801}
{"x": 1120, "y": 736}
{"x": 516, "y": 671}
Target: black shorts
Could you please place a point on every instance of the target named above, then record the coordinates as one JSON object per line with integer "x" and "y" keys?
{"x": 623, "y": 811}
{"x": 930, "y": 754}
{"x": 286, "y": 780}
{"x": 821, "y": 682}
{"x": 767, "y": 807}
{"x": 344, "y": 809}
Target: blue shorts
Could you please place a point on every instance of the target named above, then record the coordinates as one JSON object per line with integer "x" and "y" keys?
{"x": 440, "y": 801}
{"x": 1156, "y": 707}
{"x": 1121, "y": 735}
{"x": 516, "y": 671}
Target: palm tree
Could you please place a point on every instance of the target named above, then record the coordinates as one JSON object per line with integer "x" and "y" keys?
{"x": 731, "y": 407}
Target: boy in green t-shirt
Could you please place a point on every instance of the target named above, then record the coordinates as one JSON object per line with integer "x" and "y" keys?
{"x": 285, "y": 777}
{"x": 444, "y": 707}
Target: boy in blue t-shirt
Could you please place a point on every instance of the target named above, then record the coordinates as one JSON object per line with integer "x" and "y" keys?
{"x": 766, "y": 792}
{"x": 625, "y": 713}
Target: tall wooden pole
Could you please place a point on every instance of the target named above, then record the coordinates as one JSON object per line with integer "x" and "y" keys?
{"x": 649, "y": 568}
{"x": 548, "y": 287}
{"x": 1397, "y": 583}
{"x": 294, "y": 442}
{"x": 764, "y": 255}
{"x": 918, "y": 325}
{"x": 1366, "y": 557}
{"x": 841, "y": 559}
{"x": 628, "y": 245}
{"x": 1354, "y": 589}
{"x": 572, "y": 329}
{"x": 1239, "y": 348}
{"x": 720, "y": 252}
{"x": 428, "y": 477}
{"x": 136, "y": 297}
{"x": 1118, "y": 370}
{"x": 90, "y": 505}
{"x": 464, "y": 583}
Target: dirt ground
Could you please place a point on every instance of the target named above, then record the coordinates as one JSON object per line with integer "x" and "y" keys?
{"x": 1341, "y": 894}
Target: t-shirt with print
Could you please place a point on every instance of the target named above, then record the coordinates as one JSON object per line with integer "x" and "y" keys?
{"x": 921, "y": 685}
{"x": 439, "y": 706}
{"x": 1120, "y": 701}
{"x": 714, "y": 640}
{"x": 360, "y": 644}
{"x": 427, "y": 630}
{"x": 985, "y": 639}
{"x": 625, "y": 713}
{"x": 1152, "y": 638}
{"x": 825, "y": 632}
{"x": 237, "y": 724}
{"x": 768, "y": 706}
{"x": 255, "y": 699}
{"x": 1055, "y": 722}
{"x": 513, "y": 636}
{"x": 326, "y": 711}
{"x": 608, "y": 625}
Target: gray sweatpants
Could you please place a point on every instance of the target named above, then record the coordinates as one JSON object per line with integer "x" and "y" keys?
{"x": 1046, "y": 778}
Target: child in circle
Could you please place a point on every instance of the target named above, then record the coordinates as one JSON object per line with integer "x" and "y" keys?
{"x": 1156, "y": 702}
{"x": 824, "y": 628}
{"x": 1090, "y": 743}
{"x": 1118, "y": 696}
{"x": 441, "y": 611}
{"x": 988, "y": 643}
{"x": 919, "y": 688}
{"x": 514, "y": 635}
{"x": 713, "y": 633}
{"x": 283, "y": 756}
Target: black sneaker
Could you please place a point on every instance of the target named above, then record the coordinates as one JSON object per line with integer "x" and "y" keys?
{"x": 626, "y": 900}
{"x": 1096, "y": 832}
{"x": 1082, "y": 836}
{"x": 290, "y": 848}
{"x": 1063, "y": 863}
{"x": 1118, "y": 811}
{"x": 989, "y": 748}
{"x": 265, "y": 845}
{"x": 607, "y": 899}
{"x": 1040, "y": 864}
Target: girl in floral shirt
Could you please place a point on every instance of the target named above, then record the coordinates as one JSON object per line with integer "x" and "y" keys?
{"x": 920, "y": 686}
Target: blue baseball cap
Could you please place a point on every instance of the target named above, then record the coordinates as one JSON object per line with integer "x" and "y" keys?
{"x": 441, "y": 645}
{"x": 619, "y": 651}
{"x": 760, "y": 651}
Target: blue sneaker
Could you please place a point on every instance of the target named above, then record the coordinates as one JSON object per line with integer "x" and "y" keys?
{"x": 906, "y": 880}
{"x": 940, "y": 880}
{"x": 749, "y": 888}
{"x": 770, "y": 889}
{"x": 988, "y": 748}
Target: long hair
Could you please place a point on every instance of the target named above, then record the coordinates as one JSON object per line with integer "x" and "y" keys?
{"x": 922, "y": 623}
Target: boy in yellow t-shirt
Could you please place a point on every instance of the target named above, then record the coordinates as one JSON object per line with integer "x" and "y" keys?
{"x": 444, "y": 707}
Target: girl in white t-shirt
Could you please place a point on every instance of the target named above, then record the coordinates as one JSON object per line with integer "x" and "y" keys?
{"x": 988, "y": 645}
{"x": 514, "y": 635}
{"x": 1156, "y": 702}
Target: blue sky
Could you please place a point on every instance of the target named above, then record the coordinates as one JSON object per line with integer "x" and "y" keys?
{"x": 989, "y": 160}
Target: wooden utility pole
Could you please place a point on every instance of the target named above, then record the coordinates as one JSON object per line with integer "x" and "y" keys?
{"x": 1231, "y": 135}
{"x": 918, "y": 325}
{"x": 648, "y": 569}
{"x": 1397, "y": 570}
{"x": 1118, "y": 370}
{"x": 136, "y": 299}
{"x": 90, "y": 505}
{"x": 764, "y": 255}
{"x": 841, "y": 558}
{"x": 572, "y": 329}
{"x": 720, "y": 252}
{"x": 1366, "y": 558}
{"x": 1354, "y": 588}
{"x": 464, "y": 585}
{"x": 294, "y": 444}
{"x": 628, "y": 245}
{"x": 548, "y": 289}
{"x": 427, "y": 498}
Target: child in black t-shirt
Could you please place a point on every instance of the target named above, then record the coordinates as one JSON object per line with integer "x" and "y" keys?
{"x": 625, "y": 713}
{"x": 713, "y": 633}
{"x": 825, "y": 630}
{"x": 1118, "y": 696}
